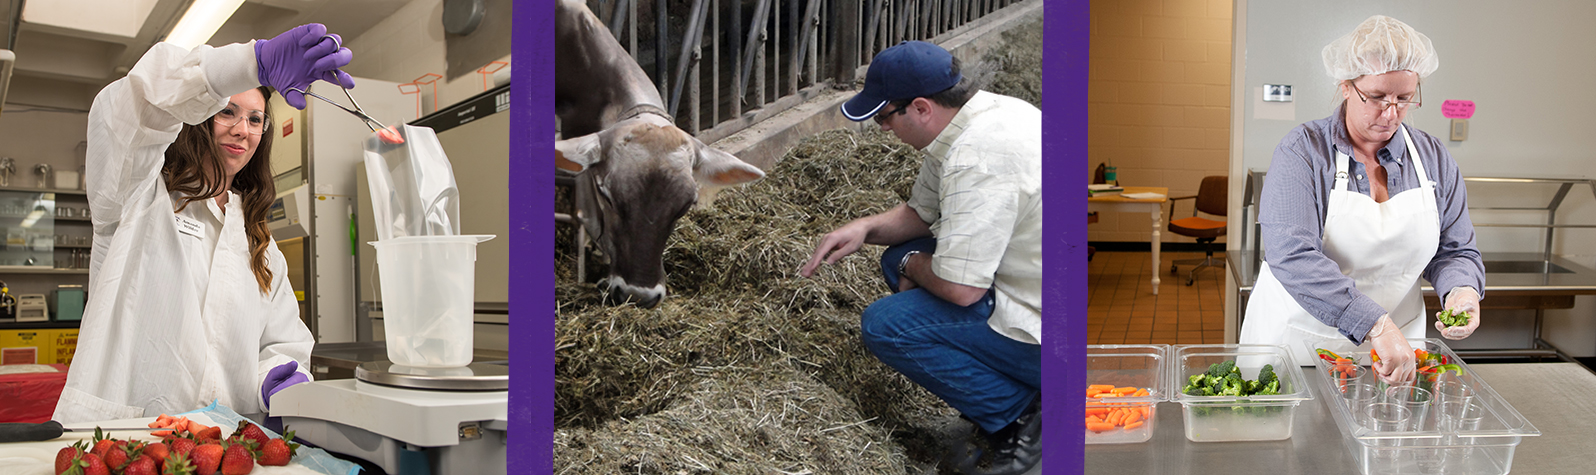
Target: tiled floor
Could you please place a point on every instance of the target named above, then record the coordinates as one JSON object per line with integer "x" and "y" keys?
{"x": 1121, "y": 307}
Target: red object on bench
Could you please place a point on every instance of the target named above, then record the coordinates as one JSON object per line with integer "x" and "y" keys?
{"x": 31, "y": 397}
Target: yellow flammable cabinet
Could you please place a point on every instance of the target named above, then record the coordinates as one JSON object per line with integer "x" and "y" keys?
{"x": 27, "y": 346}
{"x": 38, "y": 346}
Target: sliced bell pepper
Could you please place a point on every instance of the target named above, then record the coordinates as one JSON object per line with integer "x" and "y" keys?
{"x": 1442, "y": 369}
{"x": 1328, "y": 355}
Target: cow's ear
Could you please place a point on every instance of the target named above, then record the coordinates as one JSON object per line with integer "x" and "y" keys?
{"x": 578, "y": 153}
{"x": 717, "y": 168}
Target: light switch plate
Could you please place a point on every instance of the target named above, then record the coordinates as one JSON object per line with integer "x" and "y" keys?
{"x": 1277, "y": 93}
{"x": 1460, "y": 129}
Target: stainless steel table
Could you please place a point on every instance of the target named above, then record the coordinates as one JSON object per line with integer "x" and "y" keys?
{"x": 1558, "y": 398}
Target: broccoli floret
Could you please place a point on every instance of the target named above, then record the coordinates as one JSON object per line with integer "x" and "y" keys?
{"x": 1220, "y": 370}
{"x": 1232, "y": 387}
{"x": 1271, "y": 389}
{"x": 1267, "y": 375}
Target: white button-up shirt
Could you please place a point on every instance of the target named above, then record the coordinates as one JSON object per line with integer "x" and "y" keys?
{"x": 980, "y": 190}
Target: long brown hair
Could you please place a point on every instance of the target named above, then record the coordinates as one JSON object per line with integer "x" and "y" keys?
{"x": 193, "y": 168}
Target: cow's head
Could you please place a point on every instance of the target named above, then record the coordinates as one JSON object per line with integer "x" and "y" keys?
{"x": 635, "y": 180}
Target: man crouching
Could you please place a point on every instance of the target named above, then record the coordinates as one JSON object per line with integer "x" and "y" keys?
{"x": 965, "y": 252}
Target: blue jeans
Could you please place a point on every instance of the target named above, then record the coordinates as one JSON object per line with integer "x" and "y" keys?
{"x": 950, "y": 350}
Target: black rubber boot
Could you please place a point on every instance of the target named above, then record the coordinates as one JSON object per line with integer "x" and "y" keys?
{"x": 1013, "y": 450}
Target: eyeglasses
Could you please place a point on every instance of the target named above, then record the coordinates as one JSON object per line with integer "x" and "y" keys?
{"x": 230, "y": 116}
{"x": 882, "y": 117}
{"x": 1383, "y": 104}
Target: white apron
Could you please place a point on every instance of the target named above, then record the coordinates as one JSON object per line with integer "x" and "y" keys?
{"x": 1383, "y": 247}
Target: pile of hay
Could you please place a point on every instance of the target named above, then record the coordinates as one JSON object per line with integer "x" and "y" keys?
{"x": 1018, "y": 63}
{"x": 746, "y": 367}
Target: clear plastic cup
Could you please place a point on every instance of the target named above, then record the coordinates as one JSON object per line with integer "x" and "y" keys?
{"x": 1416, "y": 399}
{"x": 427, "y": 295}
{"x": 1387, "y": 417}
{"x": 1454, "y": 417}
{"x": 1450, "y": 388}
{"x": 1350, "y": 376}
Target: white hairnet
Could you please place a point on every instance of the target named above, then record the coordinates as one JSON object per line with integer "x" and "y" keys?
{"x": 1379, "y": 45}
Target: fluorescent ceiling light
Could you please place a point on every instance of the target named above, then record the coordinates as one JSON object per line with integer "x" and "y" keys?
{"x": 201, "y": 21}
{"x": 121, "y": 18}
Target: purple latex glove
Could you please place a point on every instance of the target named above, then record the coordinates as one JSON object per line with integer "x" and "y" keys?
{"x": 299, "y": 57}
{"x": 284, "y": 375}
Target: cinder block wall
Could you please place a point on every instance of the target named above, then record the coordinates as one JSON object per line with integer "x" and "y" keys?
{"x": 1159, "y": 101}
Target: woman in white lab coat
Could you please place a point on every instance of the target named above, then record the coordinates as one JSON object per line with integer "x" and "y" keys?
{"x": 189, "y": 299}
{"x": 1358, "y": 206}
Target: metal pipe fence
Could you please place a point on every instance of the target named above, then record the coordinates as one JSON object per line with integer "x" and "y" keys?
{"x": 766, "y": 55}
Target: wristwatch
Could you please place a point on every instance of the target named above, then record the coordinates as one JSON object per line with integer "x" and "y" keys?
{"x": 903, "y": 265}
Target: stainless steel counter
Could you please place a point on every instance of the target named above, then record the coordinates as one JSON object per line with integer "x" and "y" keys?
{"x": 1506, "y": 273}
{"x": 1558, "y": 398}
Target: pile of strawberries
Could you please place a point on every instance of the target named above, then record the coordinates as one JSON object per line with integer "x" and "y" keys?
{"x": 180, "y": 452}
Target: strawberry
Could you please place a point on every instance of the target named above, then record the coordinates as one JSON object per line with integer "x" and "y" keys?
{"x": 250, "y": 431}
{"x": 238, "y": 459}
{"x": 101, "y": 443}
{"x": 141, "y": 466}
{"x": 158, "y": 450}
{"x": 277, "y": 452}
{"x": 92, "y": 465}
{"x": 180, "y": 446}
{"x": 206, "y": 458}
{"x": 64, "y": 459}
{"x": 119, "y": 455}
{"x": 177, "y": 464}
{"x": 209, "y": 433}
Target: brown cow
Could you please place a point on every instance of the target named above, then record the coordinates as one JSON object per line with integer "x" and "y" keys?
{"x": 636, "y": 172}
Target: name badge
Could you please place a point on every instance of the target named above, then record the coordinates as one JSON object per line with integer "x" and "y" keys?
{"x": 189, "y": 226}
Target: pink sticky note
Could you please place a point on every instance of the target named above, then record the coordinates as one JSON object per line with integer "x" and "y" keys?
{"x": 1457, "y": 109}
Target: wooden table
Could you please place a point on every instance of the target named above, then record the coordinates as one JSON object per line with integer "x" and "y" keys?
{"x": 1153, "y": 207}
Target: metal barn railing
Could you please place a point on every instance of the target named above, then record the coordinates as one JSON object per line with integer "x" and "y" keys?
{"x": 765, "y": 56}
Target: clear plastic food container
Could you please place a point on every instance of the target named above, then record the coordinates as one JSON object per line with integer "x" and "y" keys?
{"x": 1482, "y": 446}
{"x": 1125, "y": 366}
{"x": 1237, "y": 418}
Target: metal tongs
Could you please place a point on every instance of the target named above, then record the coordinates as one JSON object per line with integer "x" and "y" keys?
{"x": 357, "y": 111}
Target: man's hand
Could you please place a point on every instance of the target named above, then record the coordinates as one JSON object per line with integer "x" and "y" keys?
{"x": 836, "y": 245}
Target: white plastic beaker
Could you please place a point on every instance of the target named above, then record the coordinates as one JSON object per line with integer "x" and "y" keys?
{"x": 427, "y": 295}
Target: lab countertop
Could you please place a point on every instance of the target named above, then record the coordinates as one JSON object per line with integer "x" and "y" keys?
{"x": 1506, "y": 273}
{"x": 1555, "y": 397}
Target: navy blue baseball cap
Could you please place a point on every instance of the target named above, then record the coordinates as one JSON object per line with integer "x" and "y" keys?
{"x": 906, "y": 71}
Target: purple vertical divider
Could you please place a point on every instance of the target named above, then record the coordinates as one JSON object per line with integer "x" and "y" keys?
{"x": 1064, "y": 82}
{"x": 531, "y": 435}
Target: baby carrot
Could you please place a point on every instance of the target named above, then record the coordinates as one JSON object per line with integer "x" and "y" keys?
{"x": 1133, "y": 425}
{"x": 1141, "y": 393}
{"x": 1104, "y": 387}
{"x": 1125, "y": 390}
{"x": 1093, "y": 420}
{"x": 1100, "y": 427}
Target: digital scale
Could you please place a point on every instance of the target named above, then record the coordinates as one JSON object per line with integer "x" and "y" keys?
{"x": 406, "y": 420}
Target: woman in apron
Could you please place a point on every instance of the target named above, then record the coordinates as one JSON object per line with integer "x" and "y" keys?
{"x": 1357, "y": 207}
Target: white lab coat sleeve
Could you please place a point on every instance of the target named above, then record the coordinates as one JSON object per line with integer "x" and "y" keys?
{"x": 284, "y": 337}
{"x": 134, "y": 119}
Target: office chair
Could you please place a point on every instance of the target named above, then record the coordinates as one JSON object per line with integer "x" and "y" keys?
{"x": 1211, "y": 198}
